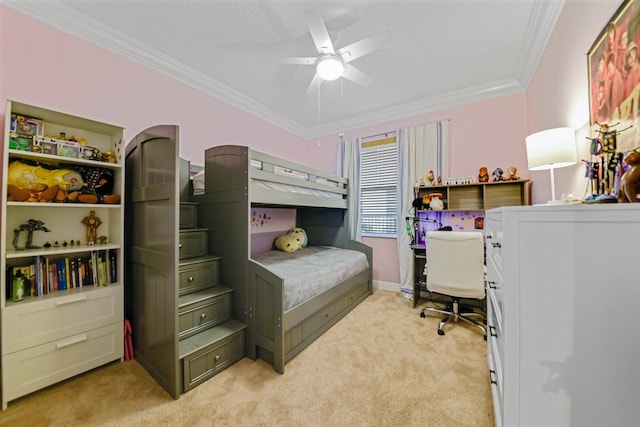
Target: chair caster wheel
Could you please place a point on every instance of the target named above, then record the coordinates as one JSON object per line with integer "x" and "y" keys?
{"x": 422, "y": 314}
{"x": 440, "y": 332}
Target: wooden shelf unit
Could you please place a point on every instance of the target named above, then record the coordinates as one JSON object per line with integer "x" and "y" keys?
{"x": 480, "y": 196}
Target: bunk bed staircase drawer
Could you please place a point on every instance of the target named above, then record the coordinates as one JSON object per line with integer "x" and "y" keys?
{"x": 197, "y": 274}
{"x": 202, "y": 310}
{"x": 192, "y": 243}
{"x": 205, "y": 354}
{"x": 188, "y": 215}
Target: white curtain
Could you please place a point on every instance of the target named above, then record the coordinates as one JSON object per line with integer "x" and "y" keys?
{"x": 349, "y": 167}
{"x": 420, "y": 149}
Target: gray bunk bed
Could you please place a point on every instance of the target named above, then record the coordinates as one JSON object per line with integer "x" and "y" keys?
{"x": 238, "y": 179}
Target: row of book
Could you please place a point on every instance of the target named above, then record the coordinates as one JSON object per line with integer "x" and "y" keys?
{"x": 46, "y": 274}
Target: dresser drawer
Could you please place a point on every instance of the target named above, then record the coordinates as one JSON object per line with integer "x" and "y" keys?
{"x": 192, "y": 243}
{"x": 204, "y": 313}
{"x": 42, "y": 365}
{"x": 188, "y": 215}
{"x": 38, "y": 322}
{"x": 225, "y": 346}
{"x": 496, "y": 389}
{"x": 198, "y": 273}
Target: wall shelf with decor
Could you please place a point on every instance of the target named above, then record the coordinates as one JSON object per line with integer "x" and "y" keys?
{"x": 480, "y": 196}
{"x": 463, "y": 202}
{"x": 56, "y": 325}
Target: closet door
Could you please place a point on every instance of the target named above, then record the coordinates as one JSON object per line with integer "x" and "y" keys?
{"x": 151, "y": 229}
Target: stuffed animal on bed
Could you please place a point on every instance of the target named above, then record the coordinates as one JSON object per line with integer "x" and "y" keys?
{"x": 300, "y": 235}
{"x": 287, "y": 243}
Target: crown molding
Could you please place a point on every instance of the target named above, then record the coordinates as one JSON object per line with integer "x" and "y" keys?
{"x": 443, "y": 101}
{"x": 543, "y": 20}
{"x": 70, "y": 21}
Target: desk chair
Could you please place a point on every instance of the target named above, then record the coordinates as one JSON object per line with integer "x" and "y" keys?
{"x": 455, "y": 267}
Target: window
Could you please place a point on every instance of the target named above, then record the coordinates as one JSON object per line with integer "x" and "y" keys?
{"x": 379, "y": 187}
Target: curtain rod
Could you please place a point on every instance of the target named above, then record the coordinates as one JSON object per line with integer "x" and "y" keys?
{"x": 393, "y": 132}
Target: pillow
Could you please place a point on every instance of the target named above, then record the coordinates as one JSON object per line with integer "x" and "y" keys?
{"x": 287, "y": 243}
{"x": 299, "y": 234}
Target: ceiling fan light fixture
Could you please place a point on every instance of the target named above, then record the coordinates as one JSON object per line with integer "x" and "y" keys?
{"x": 330, "y": 67}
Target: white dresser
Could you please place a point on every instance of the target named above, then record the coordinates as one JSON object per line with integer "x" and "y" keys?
{"x": 563, "y": 310}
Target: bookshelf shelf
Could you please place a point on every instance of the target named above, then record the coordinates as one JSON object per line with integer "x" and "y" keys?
{"x": 71, "y": 315}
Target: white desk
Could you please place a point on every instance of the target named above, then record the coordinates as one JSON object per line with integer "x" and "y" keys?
{"x": 564, "y": 314}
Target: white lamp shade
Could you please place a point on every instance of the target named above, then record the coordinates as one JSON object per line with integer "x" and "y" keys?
{"x": 550, "y": 149}
{"x": 330, "y": 67}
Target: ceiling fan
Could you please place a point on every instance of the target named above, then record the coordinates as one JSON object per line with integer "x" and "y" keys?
{"x": 336, "y": 62}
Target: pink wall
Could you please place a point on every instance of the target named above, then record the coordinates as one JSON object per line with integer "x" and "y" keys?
{"x": 48, "y": 68}
{"x": 63, "y": 73}
{"x": 558, "y": 93}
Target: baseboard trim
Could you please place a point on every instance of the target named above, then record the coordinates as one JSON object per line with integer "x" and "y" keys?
{"x": 387, "y": 286}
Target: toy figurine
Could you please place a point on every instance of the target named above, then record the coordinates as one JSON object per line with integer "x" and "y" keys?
{"x": 512, "y": 173}
{"x": 31, "y": 226}
{"x": 497, "y": 174}
{"x": 483, "y": 174}
{"x": 431, "y": 178}
{"x": 92, "y": 222}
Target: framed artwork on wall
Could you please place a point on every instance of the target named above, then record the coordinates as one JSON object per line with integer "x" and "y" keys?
{"x": 614, "y": 76}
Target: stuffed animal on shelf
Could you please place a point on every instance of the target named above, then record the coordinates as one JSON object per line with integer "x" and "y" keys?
{"x": 630, "y": 180}
{"x": 498, "y": 174}
{"x": 98, "y": 186}
{"x": 512, "y": 174}
{"x": 35, "y": 183}
{"x": 287, "y": 243}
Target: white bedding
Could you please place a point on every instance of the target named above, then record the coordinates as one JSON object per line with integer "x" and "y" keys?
{"x": 312, "y": 270}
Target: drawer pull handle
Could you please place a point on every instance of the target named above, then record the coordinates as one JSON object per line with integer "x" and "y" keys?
{"x": 190, "y": 278}
{"x": 217, "y": 357}
{"x": 492, "y": 374}
{"x": 203, "y": 315}
{"x": 492, "y": 331}
{"x": 496, "y": 245}
{"x": 71, "y": 301}
{"x": 180, "y": 246}
{"x": 71, "y": 341}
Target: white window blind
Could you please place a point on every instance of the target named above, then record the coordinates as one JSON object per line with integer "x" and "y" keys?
{"x": 379, "y": 187}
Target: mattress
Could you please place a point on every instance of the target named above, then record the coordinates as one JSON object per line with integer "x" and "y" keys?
{"x": 269, "y": 185}
{"x": 311, "y": 270}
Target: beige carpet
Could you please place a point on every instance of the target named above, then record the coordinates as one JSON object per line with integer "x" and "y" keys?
{"x": 382, "y": 365}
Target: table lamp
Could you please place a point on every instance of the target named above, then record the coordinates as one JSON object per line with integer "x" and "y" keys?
{"x": 551, "y": 149}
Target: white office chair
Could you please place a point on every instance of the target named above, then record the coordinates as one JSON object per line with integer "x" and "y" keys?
{"x": 455, "y": 267}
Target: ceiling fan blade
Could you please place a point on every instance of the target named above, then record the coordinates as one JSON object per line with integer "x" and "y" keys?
{"x": 313, "y": 86}
{"x": 298, "y": 61}
{"x": 364, "y": 46}
{"x": 356, "y": 76}
{"x": 319, "y": 33}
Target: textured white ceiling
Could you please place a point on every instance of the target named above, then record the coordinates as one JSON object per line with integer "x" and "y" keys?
{"x": 443, "y": 52}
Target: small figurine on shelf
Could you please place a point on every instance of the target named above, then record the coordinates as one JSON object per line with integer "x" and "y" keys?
{"x": 92, "y": 222}
{"x": 512, "y": 173}
{"x": 31, "y": 226}
{"x": 436, "y": 202}
{"x": 498, "y": 174}
{"x": 431, "y": 179}
{"x": 483, "y": 174}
